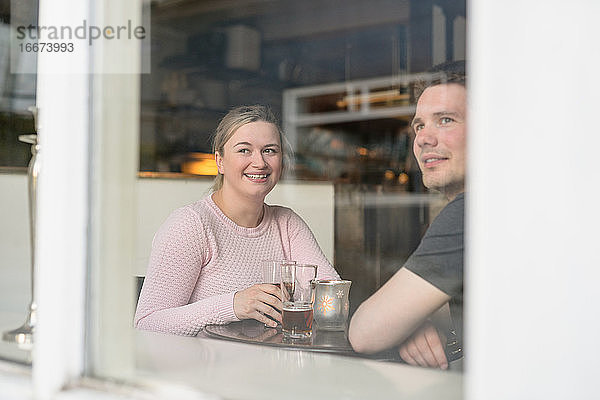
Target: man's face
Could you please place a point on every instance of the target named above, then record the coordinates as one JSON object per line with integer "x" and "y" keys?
{"x": 440, "y": 137}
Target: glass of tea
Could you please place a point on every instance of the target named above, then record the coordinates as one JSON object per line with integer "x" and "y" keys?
{"x": 296, "y": 294}
{"x": 271, "y": 271}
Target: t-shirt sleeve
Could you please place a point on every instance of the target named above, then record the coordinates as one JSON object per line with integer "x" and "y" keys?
{"x": 179, "y": 251}
{"x": 439, "y": 257}
{"x": 306, "y": 250}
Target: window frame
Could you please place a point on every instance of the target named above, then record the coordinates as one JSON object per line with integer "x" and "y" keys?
{"x": 63, "y": 253}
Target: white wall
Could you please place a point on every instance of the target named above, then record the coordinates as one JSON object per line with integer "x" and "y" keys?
{"x": 15, "y": 261}
{"x": 15, "y": 253}
{"x": 157, "y": 198}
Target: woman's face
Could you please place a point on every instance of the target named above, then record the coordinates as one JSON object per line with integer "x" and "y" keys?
{"x": 251, "y": 162}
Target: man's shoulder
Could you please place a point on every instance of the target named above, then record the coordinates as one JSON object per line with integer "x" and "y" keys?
{"x": 454, "y": 210}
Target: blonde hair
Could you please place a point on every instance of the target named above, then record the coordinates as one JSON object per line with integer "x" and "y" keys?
{"x": 235, "y": 119}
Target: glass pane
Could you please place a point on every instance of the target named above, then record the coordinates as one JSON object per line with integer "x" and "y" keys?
{"x": 341, "y": 79}
{"x": 17, "y": 96}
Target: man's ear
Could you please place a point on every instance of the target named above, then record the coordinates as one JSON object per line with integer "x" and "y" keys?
{"x": 219, "y": 161}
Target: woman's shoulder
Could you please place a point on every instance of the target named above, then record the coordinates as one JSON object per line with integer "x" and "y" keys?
{"x": 285, "y": 215}
{"x": 278, "y": 211}
{"x": 201, "y": 207}
{"x": 189, "y": 214}
{"x": 183, "y": 230}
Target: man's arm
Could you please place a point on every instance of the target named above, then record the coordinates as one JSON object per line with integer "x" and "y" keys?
{"x": 394, "y": 312}
{"x": 426, "y": 346}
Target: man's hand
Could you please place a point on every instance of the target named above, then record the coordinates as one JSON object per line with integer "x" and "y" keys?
{"x": 258, "y": 300}
{"x": 425, "y": 348}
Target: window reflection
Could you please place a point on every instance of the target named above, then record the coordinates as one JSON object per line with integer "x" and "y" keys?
{"x": 339, "y": 75}
{"x": 207, "y": 58}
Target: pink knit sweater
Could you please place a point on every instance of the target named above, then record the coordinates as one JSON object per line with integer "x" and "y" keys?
{"x": 200, "y": 259}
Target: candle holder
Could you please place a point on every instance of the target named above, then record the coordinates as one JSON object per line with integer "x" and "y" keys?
{"x": 23, "y": 336}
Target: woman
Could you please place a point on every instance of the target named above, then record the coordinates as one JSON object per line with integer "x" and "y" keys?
{"x": 205, "y": 262}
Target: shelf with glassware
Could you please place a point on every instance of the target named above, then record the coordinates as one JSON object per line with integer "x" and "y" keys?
{"x": 376, "y": 157}
{"x": 382, "y": 97}
{"x": 355, "y": 131}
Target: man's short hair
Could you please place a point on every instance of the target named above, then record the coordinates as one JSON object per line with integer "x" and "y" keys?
{"x": 448, "y": 72}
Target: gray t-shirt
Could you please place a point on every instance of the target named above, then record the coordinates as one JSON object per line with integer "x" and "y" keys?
{"x": 439, "y": 257}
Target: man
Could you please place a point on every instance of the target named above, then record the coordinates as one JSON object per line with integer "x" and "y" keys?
{"x": 422, "y": 303}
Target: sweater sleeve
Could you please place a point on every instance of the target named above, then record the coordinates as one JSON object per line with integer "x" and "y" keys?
{"x": 179, "y": 251}
{"x": 306, "y": 250}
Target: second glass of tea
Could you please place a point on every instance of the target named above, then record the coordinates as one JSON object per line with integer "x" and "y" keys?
{"x": 296, "y": 294}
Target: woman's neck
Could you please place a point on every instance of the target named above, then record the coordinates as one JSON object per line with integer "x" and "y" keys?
{"x": 243, "y": 212}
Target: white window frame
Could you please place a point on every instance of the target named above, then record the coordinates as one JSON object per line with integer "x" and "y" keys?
{"x": 62, "y": 210}
{"x": 83, "y": 117}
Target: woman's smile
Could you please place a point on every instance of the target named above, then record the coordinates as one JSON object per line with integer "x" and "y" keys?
{"x": 257, "y": 178}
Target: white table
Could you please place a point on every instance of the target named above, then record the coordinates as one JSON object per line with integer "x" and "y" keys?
{"x": 249, "y": 371}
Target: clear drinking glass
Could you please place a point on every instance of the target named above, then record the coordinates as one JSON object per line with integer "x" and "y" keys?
{"x": 296, "y": 293}
{"x": 271, "y": 272}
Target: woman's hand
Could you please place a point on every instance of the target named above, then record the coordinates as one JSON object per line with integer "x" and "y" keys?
{"x": 425, "y": 348}
{"x": 258, "y": 300}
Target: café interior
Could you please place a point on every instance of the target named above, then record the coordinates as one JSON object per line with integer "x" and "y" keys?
{"x": 340, "y": 77}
